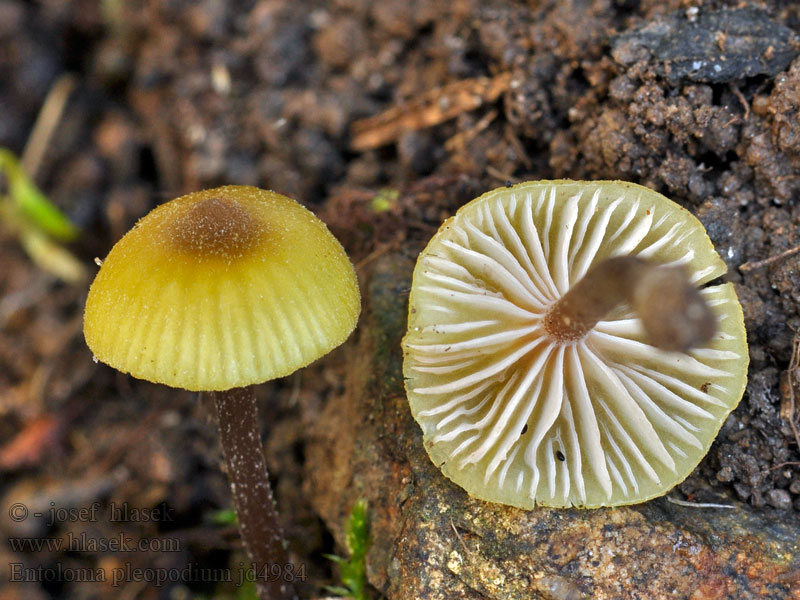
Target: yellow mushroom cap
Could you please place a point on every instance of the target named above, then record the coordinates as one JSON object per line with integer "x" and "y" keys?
{"x": 514, "y": 416}
{"x": 219, "y": 289}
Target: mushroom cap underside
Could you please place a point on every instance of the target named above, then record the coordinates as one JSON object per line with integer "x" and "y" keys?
{"x": 515, "y": 418}
{"x": 219, "y": 289}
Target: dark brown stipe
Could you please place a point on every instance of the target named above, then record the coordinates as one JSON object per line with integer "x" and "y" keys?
{"x": 674, "y": 314}
{"x": 252, "y": 495}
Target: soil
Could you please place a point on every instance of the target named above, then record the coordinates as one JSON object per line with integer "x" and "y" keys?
{"x": 383, "y": 118}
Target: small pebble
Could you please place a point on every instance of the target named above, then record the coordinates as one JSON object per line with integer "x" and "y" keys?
{"x": 780, "y": 499}
{"x": 725, "y": 474}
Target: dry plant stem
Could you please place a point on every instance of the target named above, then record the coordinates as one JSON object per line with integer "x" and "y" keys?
{"x": 46, "y": 123}
{"x": 255, "y": 507}
{"x": 788, "y": 412}
{"x": 752, "y": 266}
{"x": 674, "y": 315}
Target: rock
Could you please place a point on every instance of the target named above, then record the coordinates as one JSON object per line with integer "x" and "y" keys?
{"x": 431, "y": 541}
{"x": 716, "y": 46}
{"x": 780, "y": 499}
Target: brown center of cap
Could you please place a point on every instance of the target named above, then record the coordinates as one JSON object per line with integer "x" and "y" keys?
{"x": 218, "y": 227}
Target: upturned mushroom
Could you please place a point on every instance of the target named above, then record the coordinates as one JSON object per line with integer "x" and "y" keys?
{"x": 566, "y": 346}
{"x": 215, "y": 291}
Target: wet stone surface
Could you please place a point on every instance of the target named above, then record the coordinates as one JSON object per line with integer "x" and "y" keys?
{"x": 431, "y": 540}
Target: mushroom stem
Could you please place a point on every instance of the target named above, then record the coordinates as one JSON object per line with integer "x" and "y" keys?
{"x": 237, "y": 416}
{"x": 674, "y": 314}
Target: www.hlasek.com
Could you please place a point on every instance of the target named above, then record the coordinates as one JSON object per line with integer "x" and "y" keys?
{"x": 192, "y": 573}
{"x": 85, "y": 543}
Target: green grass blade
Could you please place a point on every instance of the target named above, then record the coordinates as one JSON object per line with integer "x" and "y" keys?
{"x": 34, "y": 206}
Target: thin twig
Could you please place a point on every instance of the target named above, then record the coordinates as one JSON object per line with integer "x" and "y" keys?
{"x": 511, "y": 135}
{"x": 297, "y": 384}
{"x": 427, "y": 110}
{"x": 791, "y": 463}
{"x": 462, "y": 138}
{"x": 698, "y": 504}
{"x": 500, "y": 176}
{"x": 381, "y": 249}
{"x": 458, "y": 535}
{"x": 46, "y": 123}
{"x": 789, "y": 413}
{"x": 751, "y": 266}
{"x": 738, "y": 93}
